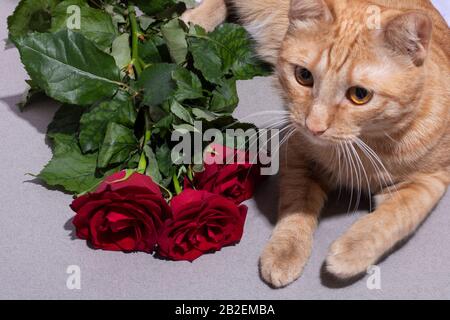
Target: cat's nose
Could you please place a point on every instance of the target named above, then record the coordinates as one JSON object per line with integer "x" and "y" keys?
{"x": 316, "y": 129}
{"x": 317, "y": 132}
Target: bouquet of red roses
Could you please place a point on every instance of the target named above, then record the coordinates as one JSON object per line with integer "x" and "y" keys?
{"x": 128, "y": 211}
{"x": 129, "y": 74}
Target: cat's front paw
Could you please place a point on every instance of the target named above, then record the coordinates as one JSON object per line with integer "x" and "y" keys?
{"x": 282, "y": 262}
{"x": 351, "y": 255}
{"x": 197, "y": 16}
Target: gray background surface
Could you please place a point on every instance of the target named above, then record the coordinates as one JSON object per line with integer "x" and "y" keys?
{"x": 36, "y": 244}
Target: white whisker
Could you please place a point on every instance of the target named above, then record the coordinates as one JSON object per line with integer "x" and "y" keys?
{"x": 268, "y": 141}
{"x": 350, "y": 173}
{"x": 358, "y": 158}
{"x": 357, "y": 177}
{"x": 340, "y": 169}
{"x": 267, "y": 112}
{"x": 380, "y": 162}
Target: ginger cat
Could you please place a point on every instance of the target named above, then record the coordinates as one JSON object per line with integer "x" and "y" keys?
{"x": 371, "y": 108}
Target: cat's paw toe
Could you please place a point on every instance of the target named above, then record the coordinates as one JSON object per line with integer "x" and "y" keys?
{"x": 349, "y": 257}
{"x": 189, "y": 16}
{"x": 281, "y": 264}
{"x": 197, "y": 17}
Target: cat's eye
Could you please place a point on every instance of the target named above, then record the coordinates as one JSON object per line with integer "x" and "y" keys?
{"x": 304, "y": 76}
{"x": 359, "y": 95}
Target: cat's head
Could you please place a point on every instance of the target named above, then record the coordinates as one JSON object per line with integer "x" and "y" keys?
{"x": 344, "y": 76}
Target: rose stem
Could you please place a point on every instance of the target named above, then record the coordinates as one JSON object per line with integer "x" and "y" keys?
{"x": 176, "y": 184}
{"x": 134, "y": 40}
{"x": 135, "y": 62}
{"x": 148, "y": 134}
{"x": 189, "y": 173}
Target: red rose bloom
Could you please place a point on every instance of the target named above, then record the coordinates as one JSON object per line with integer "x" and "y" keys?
{"x": 122, "y": 214}
{"x": 234, "y": 179}
{"x": 202, "y": 222}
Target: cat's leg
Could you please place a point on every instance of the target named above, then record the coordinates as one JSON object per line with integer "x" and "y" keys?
{"x": 398, "y": 215}
{"x": 209, "y": 14}
{"x": 301, "y": 201}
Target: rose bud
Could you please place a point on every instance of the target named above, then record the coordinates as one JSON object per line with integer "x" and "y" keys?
{"x": 227, "y": 172}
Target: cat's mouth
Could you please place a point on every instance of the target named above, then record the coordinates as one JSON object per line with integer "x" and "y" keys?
{"x": 330, "y": 137}
{"x": 322, "y": 139}
{"x": 327, "y": 138}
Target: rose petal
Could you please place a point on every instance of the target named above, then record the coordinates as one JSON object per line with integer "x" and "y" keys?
{"x": 202, "y": 222}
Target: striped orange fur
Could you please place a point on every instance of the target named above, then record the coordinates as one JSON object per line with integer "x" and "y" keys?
{"x": 395, "y": 147}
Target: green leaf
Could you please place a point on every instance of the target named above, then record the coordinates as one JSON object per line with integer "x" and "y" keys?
{"x": 228, "y": 122}
{"x": 69, "y": 67}
{"x": 66, "y": 120}
{"x": 153, "y": 7}
{"x": 185, "y": 127}
{"x": 164, "y": 158}
{"x": 119, "y": 110}
{"x": 69, "y": 168}
{"x": 156, "y": 113}
{"x": 188, "y": 85}
{"x": 152, "y": 165}
{"x": 31, "y": 16}
{"x": 226, "y": 50}
{"x": 225, "y": 98}
{"x": 148, "y": 51}
{"x": 175, "y": 38}
{"x": 235, "y": 48}
{"x": 203, "y": 114}
{"x": 145, "y": 21}
{"x": 95, "y": 24}
{"x": 206, "y": 59}
{"x": 31, "y": 94}
{"x": 196, "y": 30}
{"x": 121, "y": 50}
{"x": 117, "y": 17}
{"x": 181, "y": 112}
{"x": 120, "y": 142}
{"x": 157, "y": 83}
{"x": 189, "y": 3}
{"x": 133, "y": 163}
{"x": 165, "y": 123}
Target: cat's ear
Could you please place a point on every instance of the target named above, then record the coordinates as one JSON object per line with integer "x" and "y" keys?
{"x": 410, "y": 34}
{"x": 309, "y": 10}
